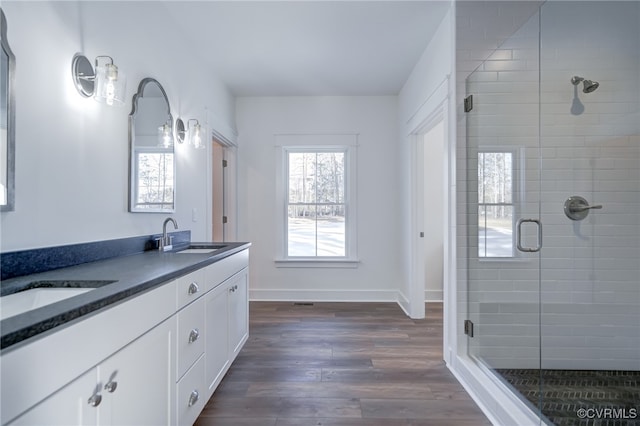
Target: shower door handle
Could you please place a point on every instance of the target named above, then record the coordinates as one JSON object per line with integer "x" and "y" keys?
{"x": 519, "y": 236}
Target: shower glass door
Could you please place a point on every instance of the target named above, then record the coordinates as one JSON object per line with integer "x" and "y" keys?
{"x": 590, "y": 262}
{"x": 553, "y": 211}
{"x": 504, "y": 236}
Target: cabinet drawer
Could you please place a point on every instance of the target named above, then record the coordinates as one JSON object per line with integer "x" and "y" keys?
{"x": 190, "y": 337}
{"x": 190, "y": 287}
{"x": 191, "y": 394}
{"x": 223, "y": 269}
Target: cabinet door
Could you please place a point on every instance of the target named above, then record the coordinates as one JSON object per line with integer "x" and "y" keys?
{"x": 68, "y": 406}
{"x": 238, "y": 312}
{"x": 216, "y": 336}
{"x": 137, "y": 381}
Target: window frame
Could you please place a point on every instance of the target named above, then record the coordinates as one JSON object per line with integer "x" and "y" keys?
{"x": 282, "y": 182}
{"x": 517, "y": 181}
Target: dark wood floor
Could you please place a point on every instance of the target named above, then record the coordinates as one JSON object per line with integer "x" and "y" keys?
{"x": 341, "y": 364}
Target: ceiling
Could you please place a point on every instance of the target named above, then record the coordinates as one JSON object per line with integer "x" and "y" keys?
{"x": 309, "y": 48}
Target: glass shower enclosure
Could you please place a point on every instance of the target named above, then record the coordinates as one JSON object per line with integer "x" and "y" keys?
{"x": 553, "y": 208}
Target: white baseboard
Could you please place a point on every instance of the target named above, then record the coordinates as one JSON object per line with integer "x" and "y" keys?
{"x": 497, "y": 402}
{"x": 433, "y": 296}
{"x": 297, "y": 295}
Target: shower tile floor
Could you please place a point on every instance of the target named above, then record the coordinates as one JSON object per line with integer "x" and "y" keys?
{"x": 565, "y": 392}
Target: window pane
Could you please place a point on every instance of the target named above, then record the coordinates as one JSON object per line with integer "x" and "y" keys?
{"x": 495, "y": 231}
{"x": 495, "y": 180}
{"x": 302, "y": 177}
{"x": 330, "y": 177}
{"x": 155, "y": 180}
{"x": 331, "y": 231}
{"x": 301, "y": 226}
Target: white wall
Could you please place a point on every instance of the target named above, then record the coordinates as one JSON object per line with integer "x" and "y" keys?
{"x": 424, "y": 92}
{"x": 71, "y": 152}
{"x": 379, "y": 218}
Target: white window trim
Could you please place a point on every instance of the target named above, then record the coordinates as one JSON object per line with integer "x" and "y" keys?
{"x": 350, "y": 260}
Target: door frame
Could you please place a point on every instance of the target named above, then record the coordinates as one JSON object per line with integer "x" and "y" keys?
{"x": 230, "y": 201}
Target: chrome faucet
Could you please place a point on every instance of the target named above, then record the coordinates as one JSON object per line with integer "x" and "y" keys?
{"x": 166, "y": 242}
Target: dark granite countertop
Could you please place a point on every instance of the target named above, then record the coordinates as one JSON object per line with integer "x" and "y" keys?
{"x": 131, "y": 274}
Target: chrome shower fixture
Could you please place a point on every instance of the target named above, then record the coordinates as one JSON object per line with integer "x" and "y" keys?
{"x": 588, "y": 85}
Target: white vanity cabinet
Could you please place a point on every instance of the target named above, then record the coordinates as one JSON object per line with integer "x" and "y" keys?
{"x": 154, "y": 359}
{"x": 222, "y": 300}
{"x": 132, "y": 387}
{"x": 227, "y": 326}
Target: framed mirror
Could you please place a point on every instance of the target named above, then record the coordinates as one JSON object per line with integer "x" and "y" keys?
{"x": 152, "y": 179}
{"x": 7, "y": 121}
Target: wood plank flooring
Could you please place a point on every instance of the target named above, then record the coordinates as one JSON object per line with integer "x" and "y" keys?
{"x": 341, "y": 364}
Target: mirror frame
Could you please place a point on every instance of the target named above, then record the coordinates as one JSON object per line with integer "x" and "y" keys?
{"x": 11, "y": 117}
{"x": 134, "y": 109}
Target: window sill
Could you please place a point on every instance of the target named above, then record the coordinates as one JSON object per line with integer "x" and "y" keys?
{"x": 316, "y": 263}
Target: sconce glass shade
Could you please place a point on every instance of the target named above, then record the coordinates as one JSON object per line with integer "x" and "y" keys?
{"x": 165, "y": 137}
{"x": 197, "y": 135}
{"x": 111, "y": 85}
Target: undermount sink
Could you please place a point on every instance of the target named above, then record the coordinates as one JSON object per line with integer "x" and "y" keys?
{"x": 41, "y": 293}
{"x": 200, "y": 249}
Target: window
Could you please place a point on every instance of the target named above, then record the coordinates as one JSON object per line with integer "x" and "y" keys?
{"x": 495, "y": 204}
{"x": 317, "y": 214}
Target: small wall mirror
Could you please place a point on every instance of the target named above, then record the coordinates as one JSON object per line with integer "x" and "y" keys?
{"x": 7, "y": 121}
{"x": 151, "y": 142}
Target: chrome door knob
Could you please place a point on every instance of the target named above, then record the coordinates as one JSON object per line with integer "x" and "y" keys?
{"x": 111, "y": 386}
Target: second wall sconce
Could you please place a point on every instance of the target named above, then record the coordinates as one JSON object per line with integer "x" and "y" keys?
{"x": 194, "y": 134}
{"x": 104, "y": 83}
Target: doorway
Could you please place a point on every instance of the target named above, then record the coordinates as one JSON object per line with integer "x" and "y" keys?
{"x": 429, "y": 227}
{"x": 223, "y": 189}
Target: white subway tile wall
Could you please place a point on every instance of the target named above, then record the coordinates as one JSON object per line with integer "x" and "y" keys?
{"x": 583, "y": 290}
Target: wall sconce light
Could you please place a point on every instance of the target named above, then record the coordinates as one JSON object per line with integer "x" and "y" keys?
{"x": 105, "y": 83}
{"x": 165, "y": 135}
{"x": 195, "y": 134}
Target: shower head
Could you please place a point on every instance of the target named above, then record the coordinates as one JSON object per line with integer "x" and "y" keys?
{"x": 588, "y": 85}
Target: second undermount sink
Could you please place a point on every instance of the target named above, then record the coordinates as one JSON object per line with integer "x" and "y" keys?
{"x": 201, "y": 249}
{"x": 41, "y": 293}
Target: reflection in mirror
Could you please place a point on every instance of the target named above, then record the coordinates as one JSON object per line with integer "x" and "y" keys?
{"x": 7, "y": 121}
{"x": 151, "y": 156}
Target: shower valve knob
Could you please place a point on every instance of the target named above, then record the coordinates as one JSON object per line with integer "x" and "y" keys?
{"x": 577, "y": 208}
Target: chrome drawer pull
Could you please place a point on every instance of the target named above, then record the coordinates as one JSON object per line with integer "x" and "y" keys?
{"x": 193, "y": 398}
{"x": 194, "y": 335}
{"x": 193, "y": 288}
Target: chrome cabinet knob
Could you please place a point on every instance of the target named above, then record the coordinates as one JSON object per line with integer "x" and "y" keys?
{"x": 111, "y": 386}
{"x": 194, "y": 335}
{"x": 95, "y": 400}
{"x": 193, "y": 288}
{"x": 193, "y": 398}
